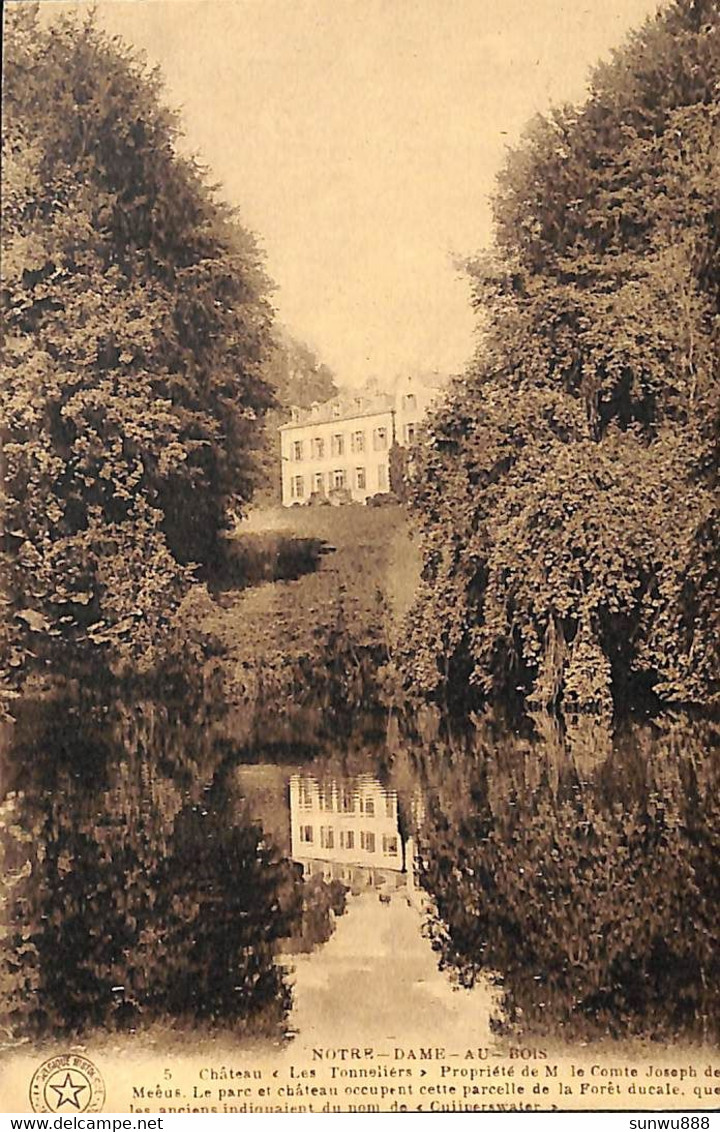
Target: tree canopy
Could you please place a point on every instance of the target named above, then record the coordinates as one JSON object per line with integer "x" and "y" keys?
{"x": 566, "y": 493}
{"x": 136, "y": 334}
{"x": 297, "y": 375}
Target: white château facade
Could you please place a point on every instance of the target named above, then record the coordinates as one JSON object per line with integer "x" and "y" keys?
{"x": 342, "y": 447}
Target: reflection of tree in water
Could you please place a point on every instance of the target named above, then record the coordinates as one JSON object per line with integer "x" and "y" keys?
{"x": 323, "y": 901}
{"x": 592, "y": 893}
{"x": 581, "y": 874}
{"x": 132, "y": 894}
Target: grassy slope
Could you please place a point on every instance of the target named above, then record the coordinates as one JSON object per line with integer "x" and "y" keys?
{"x": 360, "y": 592}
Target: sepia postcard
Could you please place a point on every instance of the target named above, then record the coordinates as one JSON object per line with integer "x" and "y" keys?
{"x": 359, "y": 639}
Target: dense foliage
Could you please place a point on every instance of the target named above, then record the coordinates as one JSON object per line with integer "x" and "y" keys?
{"x": 566, "y": 494}
{"x": 586, "y": 888}
{"x": 136, "y": 332}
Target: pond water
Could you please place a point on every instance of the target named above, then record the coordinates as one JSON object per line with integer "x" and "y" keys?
{"x": 160, "y": 864}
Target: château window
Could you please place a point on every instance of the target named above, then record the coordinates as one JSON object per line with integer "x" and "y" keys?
{"x": 358, "y": 441}
{"x": 367, "y": 841}
{"x": 339, "y": 478}
{"x": 306, "y": 833}
{"x": 390, "y": 846}
{"x": 318, "y": 448}
{"x": 337, "y": 446}
{"x": 360, "y": 474}
{"x": 298, "y": 487}
{"x": 410, "y": 433}
{"x": 298, "y": 450}
{"x": 319, "y": 482}
{"x": 380, "y": 439}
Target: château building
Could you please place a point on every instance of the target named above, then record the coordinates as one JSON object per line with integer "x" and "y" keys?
{"x": 341, "y": 448}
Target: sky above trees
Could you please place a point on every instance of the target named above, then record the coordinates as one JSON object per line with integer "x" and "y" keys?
{"x": 361, "y": 140}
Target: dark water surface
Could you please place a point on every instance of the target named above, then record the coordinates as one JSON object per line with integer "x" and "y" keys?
{"x": 159, "y": 864}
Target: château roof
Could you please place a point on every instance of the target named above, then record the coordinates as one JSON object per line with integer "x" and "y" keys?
{"x": 343, "y": 408}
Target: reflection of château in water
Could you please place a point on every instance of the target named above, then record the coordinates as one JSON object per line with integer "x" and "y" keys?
{"x": 348, "y": 830}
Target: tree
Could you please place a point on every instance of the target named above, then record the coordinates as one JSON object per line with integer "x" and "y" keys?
{"x": 136, "y": 331}
{"x": 398, "y": 461}
{"x": 297, "y": 376}
{"x": 566, "y": 493}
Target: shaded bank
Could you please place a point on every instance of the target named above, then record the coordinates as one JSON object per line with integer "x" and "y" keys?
{"x": 317, "y": 613}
